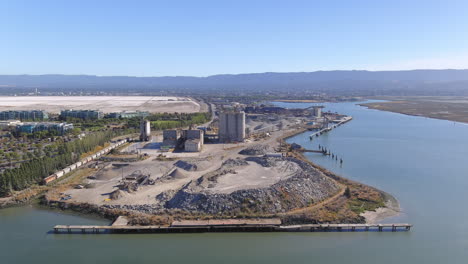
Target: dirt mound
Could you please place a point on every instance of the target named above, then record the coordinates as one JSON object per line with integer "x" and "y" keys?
{"x": 230, "y": 163}
{"x": 177, "y": 174}
{"x": 255, "y": 150}
{"x": 115, "y": 195}
{"x": 90, "y": 186}
{"x": 188, "y": 166}
{"x": 193, "y": 165}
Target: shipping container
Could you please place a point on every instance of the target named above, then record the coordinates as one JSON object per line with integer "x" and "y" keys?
{"x": 59, "y": 173}
{"x": 49, "y": 179}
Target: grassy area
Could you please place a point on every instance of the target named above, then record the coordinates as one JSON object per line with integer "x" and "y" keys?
{"x": 364, "y": 199}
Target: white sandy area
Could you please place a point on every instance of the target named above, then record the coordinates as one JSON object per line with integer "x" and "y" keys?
{"x": 392, "y": 209}
{"x": 107, "y": 104}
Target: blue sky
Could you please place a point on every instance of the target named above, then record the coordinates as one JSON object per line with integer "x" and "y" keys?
{"x": 200, "y": 38}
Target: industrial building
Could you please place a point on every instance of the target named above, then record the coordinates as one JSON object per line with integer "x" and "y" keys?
{"x": 129, "y": 114}
{"x": 232, "y": 126}
{"x": 82, "y": 114}
{"x": 317, "y": 111}
{"x": 34, "y": 115}
{"x": 145, "y": 130}
{"x": 170, "y": 138}
{"x": 193, "y": 134}
{"x": 192, "y": 145}
{"x": 32, "y": 127}
{"x": 193, "y": 140}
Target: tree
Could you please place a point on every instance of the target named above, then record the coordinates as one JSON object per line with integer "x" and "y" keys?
{"x": 347, "y": 192}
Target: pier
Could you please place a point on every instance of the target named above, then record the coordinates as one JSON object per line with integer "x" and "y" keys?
{"x": 232, "y": 228}
{"x": 327, "y": 129}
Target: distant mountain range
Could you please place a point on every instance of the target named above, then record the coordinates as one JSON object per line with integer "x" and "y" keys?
{"x": 450, "y": 82}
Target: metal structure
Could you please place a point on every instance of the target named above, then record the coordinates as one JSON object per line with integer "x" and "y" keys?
{"x": 145, "y": 130}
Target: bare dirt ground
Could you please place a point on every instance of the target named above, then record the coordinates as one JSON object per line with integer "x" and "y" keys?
{"x": 107, "y": 104}
{"x": 254, "y": 176}
{"x": 220, "y": 174}
{"x": 209, "y": 159}
{"x": 454, "y": 108}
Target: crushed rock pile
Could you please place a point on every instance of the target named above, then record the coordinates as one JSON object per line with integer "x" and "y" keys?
{"x": 255, "y": 150}
{"x": 177, "y": 174}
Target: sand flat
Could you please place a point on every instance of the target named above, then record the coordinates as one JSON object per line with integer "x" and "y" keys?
{"x": 107, "y": 104}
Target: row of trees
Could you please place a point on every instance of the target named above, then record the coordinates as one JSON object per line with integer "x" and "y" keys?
{"x": 35, "y": 170}
{"x": 171, "y": 121}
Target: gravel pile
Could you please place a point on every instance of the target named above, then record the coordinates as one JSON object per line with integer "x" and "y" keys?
{"x": 177, "y": 174}
{"x": 307, "y": 186}
{"x": 231, "y": 163}
{"x": 255, "y": 150}
{"x": 185, "y": 165}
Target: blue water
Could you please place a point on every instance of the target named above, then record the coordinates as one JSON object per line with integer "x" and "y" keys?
{"x": 422, "y": 162}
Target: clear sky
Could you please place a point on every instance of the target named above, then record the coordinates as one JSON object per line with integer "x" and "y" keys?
{"x": 156, "y": 38}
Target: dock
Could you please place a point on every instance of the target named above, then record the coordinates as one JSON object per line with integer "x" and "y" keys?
{"x": 336, "y": 124}
{"x": 231, "y": 227}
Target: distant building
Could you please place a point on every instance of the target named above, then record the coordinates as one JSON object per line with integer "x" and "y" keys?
{"x": 145, "y": 130}
{"x": 129, "y": 114}
{"x": 232, "y": 126}
{"x": 32, "y": 127}
{"x": 317, "y": 111}
{"x": 9, "y": 123}
{"x": 82, "y": 114}
{"x": 34, "y": 115}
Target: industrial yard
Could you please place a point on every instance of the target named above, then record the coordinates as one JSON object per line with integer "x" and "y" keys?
{"x": 106, "y": 104}
{"x": 233, "y": 173}
{"x": 229, "y": 161}
{"x": 172, "y": 170}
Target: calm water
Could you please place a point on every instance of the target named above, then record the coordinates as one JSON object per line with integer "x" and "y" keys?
{"x": 422, "y": 162}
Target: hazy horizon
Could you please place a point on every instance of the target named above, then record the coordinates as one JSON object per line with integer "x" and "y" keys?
{"x": 221, "y": 74}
